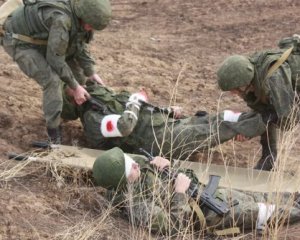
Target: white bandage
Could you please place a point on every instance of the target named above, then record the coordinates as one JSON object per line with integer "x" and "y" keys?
{"x": 109, "y": 126}
{"x": 231, "y": 116}
{"x": 128, "y": 164}
{"x": 136, "y": 99}
{"x": 264, "y": 213}
{"x": 131, "y": 113}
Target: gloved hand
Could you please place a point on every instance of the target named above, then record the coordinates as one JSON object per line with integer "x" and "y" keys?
{"x": 80, "y": 95}
{"x": 138, "y": 98}
{"x": 95, "y": 77}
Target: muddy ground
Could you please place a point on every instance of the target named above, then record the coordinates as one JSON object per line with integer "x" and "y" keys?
{"x": 165, "y": 46}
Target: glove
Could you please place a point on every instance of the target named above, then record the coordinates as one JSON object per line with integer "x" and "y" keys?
{"x": 137, "y": 98}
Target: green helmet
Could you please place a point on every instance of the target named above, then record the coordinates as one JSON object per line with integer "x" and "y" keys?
{"x": 236, "y": 71}
{"x": 109, "y": 169}
{"x": 97, "y": 13}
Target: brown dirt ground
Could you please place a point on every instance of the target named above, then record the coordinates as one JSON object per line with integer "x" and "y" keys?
{"x": 157, "y": 44}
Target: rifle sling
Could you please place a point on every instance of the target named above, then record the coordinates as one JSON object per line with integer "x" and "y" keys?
{"x": 224, "y": 232}
{"x": 262, "y": 97}
{"x": 198, "y": 211}
{"x": 280, "y": 61}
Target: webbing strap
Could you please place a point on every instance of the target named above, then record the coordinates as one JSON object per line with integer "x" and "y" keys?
{"x": 280, "y": 61}
{"x": 227, "y": 231}
{"x": 24, "y": 38}
{"x": 201, "y": 217}
{"x": 27, "y": 39}
{"x": 198, "y": 211}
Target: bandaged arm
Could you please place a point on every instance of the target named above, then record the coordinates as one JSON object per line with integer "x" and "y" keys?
{"x": 115, "y": 125}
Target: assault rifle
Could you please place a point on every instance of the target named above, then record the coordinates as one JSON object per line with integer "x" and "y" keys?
{"x": 207, "y": 198}
{"x": 98, "y": 104}
{"x": 152, "y": 108}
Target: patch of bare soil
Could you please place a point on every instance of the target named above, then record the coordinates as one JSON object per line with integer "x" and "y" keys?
{"x": 157, "y": 44}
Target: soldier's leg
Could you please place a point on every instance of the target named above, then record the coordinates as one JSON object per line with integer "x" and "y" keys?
{"x": 35, "y": 66}
{"x": 192, "y": 134}
{"x": 256, "y": 210}
{"x": 268, "y": 142}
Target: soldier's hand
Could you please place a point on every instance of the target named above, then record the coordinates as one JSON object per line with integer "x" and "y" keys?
{"x": 241, "y": 138}
{"x": 160, "y": 162}
{"x": 95, "y": 77}
{"x": 80, "y": 95}
{"x": 137, "y": 98}
{"x": 182, "y": 183}
{"x": 177, "y": 111}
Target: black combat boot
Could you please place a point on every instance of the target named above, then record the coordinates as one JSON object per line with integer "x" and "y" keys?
{"x": 54, "y": 135}
{"x": 269, "y": 152}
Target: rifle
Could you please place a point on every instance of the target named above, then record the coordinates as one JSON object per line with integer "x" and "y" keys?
{"x": 207, "y": 198}
{"x": 152, "y": 108}
{"x": 102, "y": 107}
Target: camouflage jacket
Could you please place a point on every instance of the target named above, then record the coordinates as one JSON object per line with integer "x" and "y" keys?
{"x": 55, "y": 22}
{"x": 151, "y": 202}
{"x": 275, "y": 96}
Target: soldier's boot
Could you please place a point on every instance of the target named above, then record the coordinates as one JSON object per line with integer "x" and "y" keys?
{"x": 54, "y": 135}
{"x": 269, "y": 154}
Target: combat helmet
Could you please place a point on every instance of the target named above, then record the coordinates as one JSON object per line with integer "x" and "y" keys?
{"x": 109, "y": 169}
{"x": 97, "y": 13}
{"x": 236, "y": 71}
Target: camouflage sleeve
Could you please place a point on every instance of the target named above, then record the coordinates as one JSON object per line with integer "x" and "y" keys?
{"x": 57, "y": 47}
{"x": 86, "y": 62}
{"x": 249, "y": 124}
{"x": 128, "y": 120}
{"x": 282, "y": 95}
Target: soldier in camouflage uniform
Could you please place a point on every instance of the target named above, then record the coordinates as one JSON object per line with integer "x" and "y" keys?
{"x": 127, "y": 123}
{"x": 48, "y": 40}
{"x": 268, "y": 83}
{"x": 151, "y": 200}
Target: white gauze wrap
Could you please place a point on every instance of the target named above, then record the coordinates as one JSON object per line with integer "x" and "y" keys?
{"x": 109, "y": 126}
{"x": 231, "y": 116}
{"x": 128, "y": 164}
{"x": 264, "y": 213}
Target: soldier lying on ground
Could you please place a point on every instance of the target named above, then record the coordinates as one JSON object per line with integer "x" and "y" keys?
{"x": 268, "y": 81}
{"x": 124, "y": 121}
{"x": 150, "y": 199}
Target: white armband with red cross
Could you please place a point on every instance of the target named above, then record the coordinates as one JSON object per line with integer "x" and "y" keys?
{"x": 109, "y": 126}
{"x": 231, "y": 116}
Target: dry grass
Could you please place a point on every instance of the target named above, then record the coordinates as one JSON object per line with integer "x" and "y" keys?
{"x": 102, "y": 225}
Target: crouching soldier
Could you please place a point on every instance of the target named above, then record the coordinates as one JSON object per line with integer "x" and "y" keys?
{"x": 126, "y": 121}
{"x": 268, "y": 81}
{"x": 48, "y": 40}
{"x": 157, "y": 197}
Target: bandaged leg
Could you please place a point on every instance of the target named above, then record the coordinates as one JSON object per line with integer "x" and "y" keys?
{"x": 264, "y": 213}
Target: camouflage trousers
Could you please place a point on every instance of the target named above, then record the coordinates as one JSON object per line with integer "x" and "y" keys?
{"x": 33, "y": 63}
{"x": 245, "y": 214}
